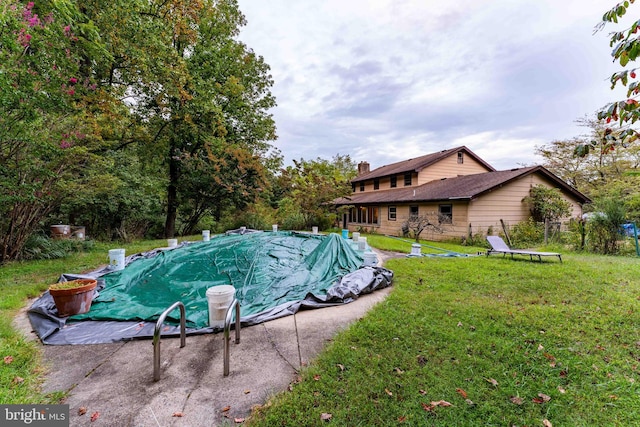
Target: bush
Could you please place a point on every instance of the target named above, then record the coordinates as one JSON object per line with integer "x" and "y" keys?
{"x": 39, "y": 246}
{"x": 527, "y": 234}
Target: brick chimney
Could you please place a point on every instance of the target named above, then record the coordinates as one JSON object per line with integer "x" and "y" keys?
{"x": 363, "y": 167}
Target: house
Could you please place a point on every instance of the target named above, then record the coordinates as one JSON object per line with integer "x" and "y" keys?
{"x": 462, "y": 192}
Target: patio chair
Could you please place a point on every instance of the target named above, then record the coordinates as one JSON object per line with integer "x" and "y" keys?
{"x": 498, "y": 246}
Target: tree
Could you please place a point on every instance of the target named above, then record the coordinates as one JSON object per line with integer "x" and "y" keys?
{"x": 600, "y": 172}
{"x": 308, "y": 187}
{"x": 416, "y": 224}
{"x": 43, "y": 145}
{"x": 626, "y": 48}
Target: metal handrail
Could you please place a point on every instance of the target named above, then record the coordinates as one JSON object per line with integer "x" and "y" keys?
{"x": 156, "y": 336}
{"x": 227, "y": 328}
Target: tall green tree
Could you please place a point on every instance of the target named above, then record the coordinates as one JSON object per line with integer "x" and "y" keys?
{"x": 43, "y": 145}
{"x": 308, "y": 187}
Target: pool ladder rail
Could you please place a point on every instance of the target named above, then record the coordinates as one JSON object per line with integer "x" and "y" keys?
{"x": 183, "y": 337}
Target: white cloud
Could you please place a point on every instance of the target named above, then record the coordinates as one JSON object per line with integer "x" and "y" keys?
{"x": 388, "y": 80}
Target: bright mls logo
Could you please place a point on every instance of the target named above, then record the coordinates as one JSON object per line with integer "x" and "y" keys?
{"x": 34, "y": 415}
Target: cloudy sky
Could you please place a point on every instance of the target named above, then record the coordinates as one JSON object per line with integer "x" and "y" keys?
{"x": 387, "y": 80}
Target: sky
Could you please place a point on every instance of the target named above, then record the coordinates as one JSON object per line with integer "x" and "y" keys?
{"x": 384, "y": 81}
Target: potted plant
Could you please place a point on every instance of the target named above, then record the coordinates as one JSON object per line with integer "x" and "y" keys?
{"x": 73, "y": 297}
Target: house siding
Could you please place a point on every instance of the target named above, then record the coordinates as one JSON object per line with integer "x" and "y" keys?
{"x": 449, "y": 168}
{"x": 506, "y": 203}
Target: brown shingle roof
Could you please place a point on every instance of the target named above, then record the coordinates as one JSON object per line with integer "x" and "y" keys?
{"x": 417, "y": 164}
{"x": 466, "y": 187}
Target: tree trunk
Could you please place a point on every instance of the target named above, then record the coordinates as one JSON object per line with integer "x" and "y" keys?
{"x": 172, "y": 198}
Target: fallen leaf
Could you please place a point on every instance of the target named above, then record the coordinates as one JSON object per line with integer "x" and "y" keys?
{"x": 341, "y": 366}
{"x": 422, "y": 392}
{"x": 426, "y": 407}
{"x": 386, "y": 390}
{"x": 563, "y": 374}
{"x": 238, "y": 420}
{"x": 421, "y": 360}
{"x": 540, "y": 347}
{"x": 8, "y": 359}
{"x": 247, "y": 391}
{"x": 225, "y": 409}
{"x": 461, "y": 392}
{"x": 613, "y": 397}
{"x": 82, "y": 410}
{"x": 316, "y": 377}
{"x": 544, "y": 397}
{"x": 398, "y": 371}
{"x": 517, "y": 400}
{"x": 325, "y": 416}
{"x": 549, "y": 356}
{"x": 459, "y": 324}
{"x": 177, "y": 414}
{"x": 561, "y": 390}
{"x": 402, "y": 419}
{"x": 95, "y": 416}
{"x": 469, "y": 402}
{"x": 492, "y": 381}
{"x": 547, "y": 423}
{"x": 18, "y": 380}
{"x": 441, "y": 403}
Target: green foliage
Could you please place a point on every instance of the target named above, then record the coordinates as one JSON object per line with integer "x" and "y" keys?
{"x": 307, "y": 188}
{"x": 526, "y": 234}
{"x": 40, "y": 247}
{"x": 604, "y": 226}
{"x": 626, "y": 48}
{"x": 547, "y": 204}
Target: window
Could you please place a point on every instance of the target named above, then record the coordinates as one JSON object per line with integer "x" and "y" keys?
{"x": 445, "y": 214}
{"x": 362, "y": 186}
{"x": 392, "y": 213}
{"x": 413, "y": 211}
{"x": 394, "y": 181}
{"x": 407, "y": 179}
{"x": 353, "y": 187}
{"x": 376, "y": 184}
{"x": 460, "y": 157}
{"x": 365, "y": 215}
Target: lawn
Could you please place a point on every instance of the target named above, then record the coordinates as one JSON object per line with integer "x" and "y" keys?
{"x": 22, "y": 371}
{"x": 458, "y": 342}
{"x": 482, "y": 341}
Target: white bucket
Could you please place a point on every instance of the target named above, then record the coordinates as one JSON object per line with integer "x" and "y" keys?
{"x": 355, "y": 236}
{"x": 370, "y": 259}
{"x": 362, "y": 243}
{"x": 219, "y": 298}
{"x": 206, "y": 236}
{"x": 274, "y": 227}
{"x": 416, "y": 249}
{"x": 172, "y": 243}
{"x": 314, "y": 230}
{"x": 116, "y": 259}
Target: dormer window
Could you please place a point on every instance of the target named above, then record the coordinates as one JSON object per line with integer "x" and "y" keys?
{"x": 460, "y": 157}
{"x": 407, "y": 179}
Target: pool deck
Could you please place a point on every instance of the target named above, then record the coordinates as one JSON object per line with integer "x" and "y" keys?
{"x": 115, "y": 380}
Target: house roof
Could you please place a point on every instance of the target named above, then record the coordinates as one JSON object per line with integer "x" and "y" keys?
{"x": 466, "y": 187}
{"x": 418, "y": 163}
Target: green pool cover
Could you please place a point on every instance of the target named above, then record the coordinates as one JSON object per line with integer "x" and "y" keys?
{"x": 270, "y": 271}
{"x": 266, "y": 270}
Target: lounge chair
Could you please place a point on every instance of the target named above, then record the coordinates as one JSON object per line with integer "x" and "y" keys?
{"x": 498, "y": 246}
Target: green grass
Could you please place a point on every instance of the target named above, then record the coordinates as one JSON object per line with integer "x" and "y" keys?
{"x": 492, "y": 329}
{"x": 523, "y": 341}
{"x": 20, "y": 380}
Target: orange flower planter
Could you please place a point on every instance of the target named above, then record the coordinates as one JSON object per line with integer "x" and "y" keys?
{"x": 73, "y": 297}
